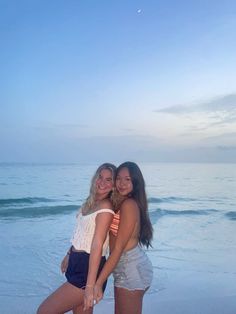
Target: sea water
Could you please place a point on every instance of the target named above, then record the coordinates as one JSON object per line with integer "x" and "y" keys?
{"x": 192, "y": 209}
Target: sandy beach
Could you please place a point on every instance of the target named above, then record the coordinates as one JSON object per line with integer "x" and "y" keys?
{"x": 187, "y": 293}
{"x": 163, "y": 303}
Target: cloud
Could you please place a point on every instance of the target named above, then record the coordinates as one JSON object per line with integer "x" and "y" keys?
{"x": 231, "y": 135}
{"x": 224, "y": 104}
{"x": 71, "y": 125}
{"x": 61, "y": 126}
{"x": 227, "y": 148}
{"x": 217, "y": 112}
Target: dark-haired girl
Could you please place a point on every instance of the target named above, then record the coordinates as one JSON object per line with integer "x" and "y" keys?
{"x": 130, "y": 230}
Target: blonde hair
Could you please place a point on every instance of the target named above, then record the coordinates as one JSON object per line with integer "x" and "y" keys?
{"x": 90, "y": 201}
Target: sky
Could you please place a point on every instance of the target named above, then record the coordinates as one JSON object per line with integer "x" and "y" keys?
{"x": 91, "y": 81}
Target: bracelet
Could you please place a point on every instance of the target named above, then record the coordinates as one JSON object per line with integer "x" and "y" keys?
{"x": 90, "y": 286}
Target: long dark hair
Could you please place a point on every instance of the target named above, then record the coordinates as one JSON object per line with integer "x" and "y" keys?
{"x": 139, "y": 195}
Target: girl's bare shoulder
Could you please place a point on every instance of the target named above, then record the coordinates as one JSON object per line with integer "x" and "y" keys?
{"x": 106, "y": 203}
{"x": 129, "y": 203}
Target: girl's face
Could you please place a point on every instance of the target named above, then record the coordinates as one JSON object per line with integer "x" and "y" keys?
{"x": 104, "y": 183}
{"x": 124, "y": 183}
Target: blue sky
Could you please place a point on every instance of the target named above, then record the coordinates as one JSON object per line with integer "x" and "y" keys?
{"x": 110, "y": 80}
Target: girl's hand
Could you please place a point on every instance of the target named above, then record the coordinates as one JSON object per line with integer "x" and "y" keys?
{"x": 64, "y": 263}
{"x": 98, "y": 293}
{"x": 88, "y": 298}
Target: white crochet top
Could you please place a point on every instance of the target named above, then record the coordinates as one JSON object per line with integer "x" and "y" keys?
{"x": 84, "y": 231}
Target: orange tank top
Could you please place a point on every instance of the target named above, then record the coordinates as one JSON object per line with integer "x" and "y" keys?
{"x": 115, "y": 224}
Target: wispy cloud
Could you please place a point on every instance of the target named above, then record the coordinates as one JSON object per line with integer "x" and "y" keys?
{"x": 218, "y": 111}
{"x": 66, "y": 126}
{"x": 220, "y": 137}
{"x": 71, "y": 125}
{"x": 227, "y": 148}
{"x": 225, "y": 104}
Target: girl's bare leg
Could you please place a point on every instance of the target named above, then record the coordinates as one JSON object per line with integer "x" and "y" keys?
{"x": 64, "y": 299}
{"x": 79, "y": 310}
{"x": 127, "y": 301}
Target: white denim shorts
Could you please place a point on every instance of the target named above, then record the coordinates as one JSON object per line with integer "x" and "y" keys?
{"x": 134, "y": 270}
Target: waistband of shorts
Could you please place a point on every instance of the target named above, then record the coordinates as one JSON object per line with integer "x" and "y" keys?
{"x": 73, "y": 249}
{"x": 84, "y": 253}
{"x": 81, "y": 253}
{"x": 132, "y": 251}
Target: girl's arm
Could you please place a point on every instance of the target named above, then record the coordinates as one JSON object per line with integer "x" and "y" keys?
{"x": 103, "y": 221}
{"x": 128, "y": 218}
{"x": 64, "y": 263}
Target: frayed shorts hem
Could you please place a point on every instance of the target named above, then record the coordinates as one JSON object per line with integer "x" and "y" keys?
{"x": 131, "y": 289}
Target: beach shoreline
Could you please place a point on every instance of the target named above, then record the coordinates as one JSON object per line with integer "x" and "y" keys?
{"x": 161, "y": 303}
{"x": 156, "y": 304}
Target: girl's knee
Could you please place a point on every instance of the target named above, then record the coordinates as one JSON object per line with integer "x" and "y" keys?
{"x": 43, "y": 309}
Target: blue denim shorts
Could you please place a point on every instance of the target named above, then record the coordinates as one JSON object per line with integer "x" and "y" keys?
{"x": 77, "y": 270}
{"x": 134, "y": 271}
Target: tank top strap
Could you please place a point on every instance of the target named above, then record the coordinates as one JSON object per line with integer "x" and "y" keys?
{"x": 105, "y": 210}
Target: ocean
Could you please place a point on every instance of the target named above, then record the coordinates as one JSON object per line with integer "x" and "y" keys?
{"x": 192, "y": 209}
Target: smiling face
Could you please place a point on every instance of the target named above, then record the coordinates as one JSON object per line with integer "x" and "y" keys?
{"x": 124, "y": 183}
{"x": 104, "y": 183}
